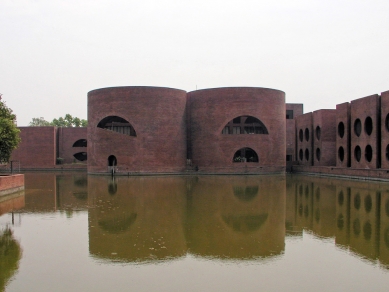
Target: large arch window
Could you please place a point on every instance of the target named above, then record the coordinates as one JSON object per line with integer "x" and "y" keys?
{"x": 245, "y": 125}
{"x": 80, "y": 143}
{"x": 245, "y": 155}
{"x": 117, "y": 124}
{"x": 81, "y": 156}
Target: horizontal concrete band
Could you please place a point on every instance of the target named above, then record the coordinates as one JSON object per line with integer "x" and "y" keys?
{"x": 6, "y": 194}
{"x": 361, "y": 174}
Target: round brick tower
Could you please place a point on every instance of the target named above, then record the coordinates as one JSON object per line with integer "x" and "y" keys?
{"x": 136, "y": 130}
{"x": 237, "y": 130}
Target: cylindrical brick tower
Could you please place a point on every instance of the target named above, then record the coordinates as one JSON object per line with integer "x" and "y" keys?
{"x": 236, "y": 130}
{"x": 136, "y": 130}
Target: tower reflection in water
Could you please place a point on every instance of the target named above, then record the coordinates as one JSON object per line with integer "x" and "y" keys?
{"x": 142, "y": 219}
{"x": 354, "y": 213}
{"x": 148, "y": 219}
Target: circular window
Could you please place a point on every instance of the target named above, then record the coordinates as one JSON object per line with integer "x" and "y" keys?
{"x": 387, "y": 122}
{"x": 357, "y": 201}
{"x": 357, "y": 127}
{"x": 368, "y": 125}
{"x": 368, "y": 153}
{"x": 301, "y": 154}
{"x": 341, "y": 129}
{"x": 318, "y": 133}
{"x": 306, "y": 133}
{"x": 357, "y": 153}
{"x": 341, "y": 153}
{"x": 306, "y": 154}
{"x": 301, "y": 135}
{"x": 368, "y": 203}
{"x": 318, "y": 154}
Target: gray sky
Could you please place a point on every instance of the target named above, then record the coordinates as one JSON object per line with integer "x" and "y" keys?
{"x": 321, "y": 53}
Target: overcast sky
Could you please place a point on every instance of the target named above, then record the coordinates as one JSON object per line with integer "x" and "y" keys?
{"x": 320, "y": 53}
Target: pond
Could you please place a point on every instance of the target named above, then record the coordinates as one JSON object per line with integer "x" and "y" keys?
{"x": 73, "y": 232}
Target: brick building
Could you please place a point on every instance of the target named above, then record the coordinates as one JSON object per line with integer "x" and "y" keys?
{"x": 140, "y": 130}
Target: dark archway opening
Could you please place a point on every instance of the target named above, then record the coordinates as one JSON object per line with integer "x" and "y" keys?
{"x": 117, "y": 124}
{"x": 368, "y": 126}
{"x": 112, "y": 160}
{"x": 357, "y": 127}
{"x": 81, "y": 156}
{"x": 245, "y": 155}
{"x": 80, "y": 143}
{"x": 341, "y": 129}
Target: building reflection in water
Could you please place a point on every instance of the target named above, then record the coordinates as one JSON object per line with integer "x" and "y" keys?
{"x": 143, "y": 219}
{"x": 354, "y": 213}
{"x": 148, "y": 219}
{"x": 137, "y": 218}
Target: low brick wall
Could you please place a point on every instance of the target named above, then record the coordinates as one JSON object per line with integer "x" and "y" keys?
{"x": 11, "y": 184}
{"x": 352, "y": 173}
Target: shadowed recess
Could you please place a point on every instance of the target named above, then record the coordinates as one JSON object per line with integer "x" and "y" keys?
{"x": 118, "y": 224}
{"x": 118, "y": 125}
{"x": 245, "y": 223}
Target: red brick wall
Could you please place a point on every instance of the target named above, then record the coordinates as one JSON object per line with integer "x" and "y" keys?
{"x": 210, "y": 110}
{"x": 158, "y": 117}
{"x": 11, "y": 181}
{"x": 291, "y": 129}
{"x": 362, "y": 109}
{"x": 304, "y": 139}
{"x": 324, "y": 137}
{"x": 37, "y": 148}
{"x": 385, "y": 129}
{"x": 66, "y": 138}
{"x": 343, "y": 135}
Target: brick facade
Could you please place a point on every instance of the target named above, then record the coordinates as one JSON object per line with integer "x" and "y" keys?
{"x": 210, "y": 110}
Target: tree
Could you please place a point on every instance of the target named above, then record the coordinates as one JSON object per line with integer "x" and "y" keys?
{"x": 39, "y": 122}
{"x": 66, "y": 121}
{"x": 9, "y": 133}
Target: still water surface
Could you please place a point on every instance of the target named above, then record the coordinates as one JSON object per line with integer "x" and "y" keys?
{"x": 73, "y": 232}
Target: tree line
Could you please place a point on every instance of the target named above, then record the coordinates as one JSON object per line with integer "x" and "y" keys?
{"x": 9, "y": 133}
{"x": 66, "y": 121}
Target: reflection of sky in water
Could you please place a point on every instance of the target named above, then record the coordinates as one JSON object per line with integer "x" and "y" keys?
{"x": 193, "y": 226}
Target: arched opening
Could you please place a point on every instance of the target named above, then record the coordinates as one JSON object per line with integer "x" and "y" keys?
{"x": 357, "y": 127}
{"x": 357, "y": 153}
{"x": 118, "y": 125}
{"x": 245, "y": 125}
{"x": 301, "y": 154}
{"x": 112, "y": 160}
{"x": 301, "y": 135}
{"x": 318, "y": 132}
{"x": 80, "y": 143}
{"x": 306, "y": 154}
{"x": 318, "y": 154}
{"x": 368, "y": 153}
{"x": 368, "y": 126}
{"x": 81, "y": 156}
{"x": 306, "y": 134}
{"x": 245, "y": 155}
{"x": 341, "y": 129}
{"x": 341, "y": 153}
